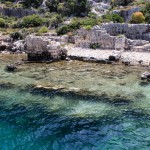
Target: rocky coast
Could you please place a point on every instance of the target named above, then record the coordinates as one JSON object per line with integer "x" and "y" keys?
{"x": 132, "y": 58}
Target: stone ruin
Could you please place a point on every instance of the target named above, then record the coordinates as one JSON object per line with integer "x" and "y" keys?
{"x": 16, "y": 12}
{"x": 115, "y": 37}
{"x": 43, "y": 48}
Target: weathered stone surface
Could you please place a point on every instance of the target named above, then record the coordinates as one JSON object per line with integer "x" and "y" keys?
{"x": 107, "y": 37}
{"x": 44, "y": 48}
{"x": 100, "y": 7}
{"x": 18, "y": 46}
{"x": 16, "y": 12}
{"x": 131, "y": 31}
{"x": 96, "y": 35}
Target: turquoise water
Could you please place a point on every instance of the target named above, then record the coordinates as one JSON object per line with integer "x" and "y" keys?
{"x": 111, "y": 113}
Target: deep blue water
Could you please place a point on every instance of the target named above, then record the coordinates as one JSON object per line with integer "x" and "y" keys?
{"x": 42, "y": 122}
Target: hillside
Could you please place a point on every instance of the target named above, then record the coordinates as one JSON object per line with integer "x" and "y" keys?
{"x": 38, "y": 16}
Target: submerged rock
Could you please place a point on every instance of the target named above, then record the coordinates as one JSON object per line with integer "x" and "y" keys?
{"x": 11, "y": 67}
{"x": 112, "y": 58}
{"x": 145, "y": 76}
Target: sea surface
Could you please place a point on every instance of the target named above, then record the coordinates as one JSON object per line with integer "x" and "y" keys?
{"x": 111, "y": 111}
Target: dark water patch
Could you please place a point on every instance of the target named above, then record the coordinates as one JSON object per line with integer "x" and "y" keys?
{"x": 6, "y": 85}
{"x": 144, "y": 83}
{"x": 81, "y": 95}
{"x": 137, "y": 113}
{"x": 33, "y": 127}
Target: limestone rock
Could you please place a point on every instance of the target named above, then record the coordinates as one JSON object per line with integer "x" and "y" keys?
{"x": 145, "y": 76}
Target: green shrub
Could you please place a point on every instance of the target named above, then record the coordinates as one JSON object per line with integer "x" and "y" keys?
{"x": 146, "y": 12}
{"x": 69, "y": 7}
{"x": 113, "y": 17}
{"x": 16, "y": 36}
{"x": 94, "y": 45}
{"x": 32, "y": 3}
{"x": 8, "y": 4}
{"x": 64, "y": 29}
{"x": 88, "y": 27}
{"x": 32, "y": 21}
{"x": 2, "y": 23}
{"x": 43, "y": 30}
{"x": 147, "y": 17}
{"x": 92, "y": 15}
{"x": 77, "y": 24}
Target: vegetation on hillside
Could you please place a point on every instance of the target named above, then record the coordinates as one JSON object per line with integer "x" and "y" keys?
{"x": 66, "y": 16}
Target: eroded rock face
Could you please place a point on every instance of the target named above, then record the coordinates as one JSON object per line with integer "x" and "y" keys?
{"x": 100, "y": 7}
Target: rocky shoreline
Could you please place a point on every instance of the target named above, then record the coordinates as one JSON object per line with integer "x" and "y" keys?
{"x": 127, "y": 57}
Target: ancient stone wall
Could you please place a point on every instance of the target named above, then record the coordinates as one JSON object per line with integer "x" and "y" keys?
{"x": 100, "y": 37}
{"x": 126, "y": 13}
{"x": 16, "y": 12}
{"x": 44, "y": 48}
{"x": 131, "y": 31}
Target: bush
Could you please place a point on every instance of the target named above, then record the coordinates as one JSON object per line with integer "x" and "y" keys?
{"x": 94, "y": 45}
{"x": 113, "y": 17}
{"x": 88, "y": 27}
{"x": 32, "y": 3}
{"x": 147, "y": 17}
{"x": 78, "y": 23}
{"x": 69, "y": 7}
{"x": 137, "y": 17}
{"x": 8, "y": 4}
{"x": 146, "y": 12}
{"x": 64, "y": 29}
{"x": 32, "y": 21}
{"x": 2, "y": 23}
{"x": 16, "y": 36}
{"x": 43, "y": 30}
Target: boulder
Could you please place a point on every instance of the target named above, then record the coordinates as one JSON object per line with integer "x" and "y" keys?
{"x": 145, "y": 76}
{"x": 114, "y": 57}
{"x": 11, "y": 67}
{"x": 3, "y": 46}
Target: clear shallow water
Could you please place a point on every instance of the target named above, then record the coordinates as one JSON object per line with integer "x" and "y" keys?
{"x": 41, "y": 120}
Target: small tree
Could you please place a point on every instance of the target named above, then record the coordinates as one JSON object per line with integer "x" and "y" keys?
{"x": 2, "y": 23}
{"x": 137, "y": 17}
